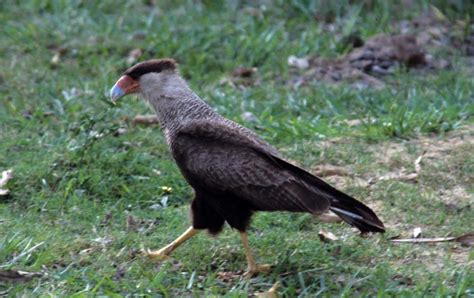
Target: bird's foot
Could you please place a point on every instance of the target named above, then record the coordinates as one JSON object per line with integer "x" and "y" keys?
{"x": 258, "y": 268}
{"x": 160, "y": 254}
{"x": 272, "y": 293}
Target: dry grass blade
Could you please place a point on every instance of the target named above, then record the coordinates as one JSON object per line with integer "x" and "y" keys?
{"x": 26, "y": 252}
{"x": 424, "y": 240}
{"x": 17, "y": 275}
{"x": 466, "y": 239}
{"x": 418, "y": 163}
{"x": 413, "y": 177}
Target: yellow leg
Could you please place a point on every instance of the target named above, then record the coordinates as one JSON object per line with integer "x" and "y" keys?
{"x": 253, "y": 268}
{"x": 168, "y": 249}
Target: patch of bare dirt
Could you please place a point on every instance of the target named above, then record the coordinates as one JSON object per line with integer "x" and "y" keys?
{"x": 333, "y": 71}
{"x": 454, "y": 196}
{"x": 432, "y": 148}
{"x": 409, "y": 162}
{"x": 369, "y": 61}
{"x": 433, "y": 29}
{"x": 434, "y": 258}
{"x": 364, "y": 66}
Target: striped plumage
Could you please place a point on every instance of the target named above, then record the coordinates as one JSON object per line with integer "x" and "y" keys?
{"x": 233, "y": 171}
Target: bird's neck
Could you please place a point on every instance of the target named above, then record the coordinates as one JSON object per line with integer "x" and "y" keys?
{"x": 176, "y": 105}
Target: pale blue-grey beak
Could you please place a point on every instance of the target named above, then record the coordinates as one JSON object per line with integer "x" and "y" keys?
{"x": 125, "y": 85}
{"x": 115, "y": 93}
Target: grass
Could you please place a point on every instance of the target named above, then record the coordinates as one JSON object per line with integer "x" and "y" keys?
{"x": 77, "y": 184}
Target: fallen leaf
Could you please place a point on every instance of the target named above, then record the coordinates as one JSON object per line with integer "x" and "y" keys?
{"x": 300, "y": 63}
{"x": 17, "y": 275}
{"x": 327, "y": 236}
{"x": 416, "y": 232}
{"x": 6, "y": 176}
{"x": 145, "y": 119}
{"x": 272, "y": 293}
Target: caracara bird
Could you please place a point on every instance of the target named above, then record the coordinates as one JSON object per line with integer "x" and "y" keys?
{"x": 233, "y": 171}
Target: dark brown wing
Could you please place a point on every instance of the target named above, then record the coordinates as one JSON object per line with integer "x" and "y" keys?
{"x": 222, "y": 157}
{"x": 218, "y": 160}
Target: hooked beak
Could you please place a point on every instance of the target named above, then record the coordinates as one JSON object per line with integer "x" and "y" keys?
{"x": 125, "y": 85}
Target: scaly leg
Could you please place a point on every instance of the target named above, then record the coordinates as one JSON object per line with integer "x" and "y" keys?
{"x": 168, "y": 249}
{"x": 253, "y": 268}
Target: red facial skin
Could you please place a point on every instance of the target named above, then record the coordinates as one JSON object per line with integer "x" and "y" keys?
{"x": 125, "y": 85}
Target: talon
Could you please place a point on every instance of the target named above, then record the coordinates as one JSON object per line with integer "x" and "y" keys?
{"x": 156, "y": 254}
{"x": 264, "y": 268}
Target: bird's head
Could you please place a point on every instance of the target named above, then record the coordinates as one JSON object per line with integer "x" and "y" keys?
{"x": 144, "y": 77}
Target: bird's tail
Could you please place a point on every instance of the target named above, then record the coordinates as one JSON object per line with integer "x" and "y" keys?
{"x": 356, "y": 214}
{"x": 346, "y": 207}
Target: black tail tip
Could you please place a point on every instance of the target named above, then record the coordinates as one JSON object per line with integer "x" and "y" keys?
{"x": 367, "y": 227}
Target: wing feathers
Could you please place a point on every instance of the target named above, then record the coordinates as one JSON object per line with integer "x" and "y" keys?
{"x": 223, "y": 160}
{"x": 349, "y": 209}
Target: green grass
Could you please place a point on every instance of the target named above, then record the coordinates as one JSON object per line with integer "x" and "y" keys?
{"x": 57, "y": 131}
